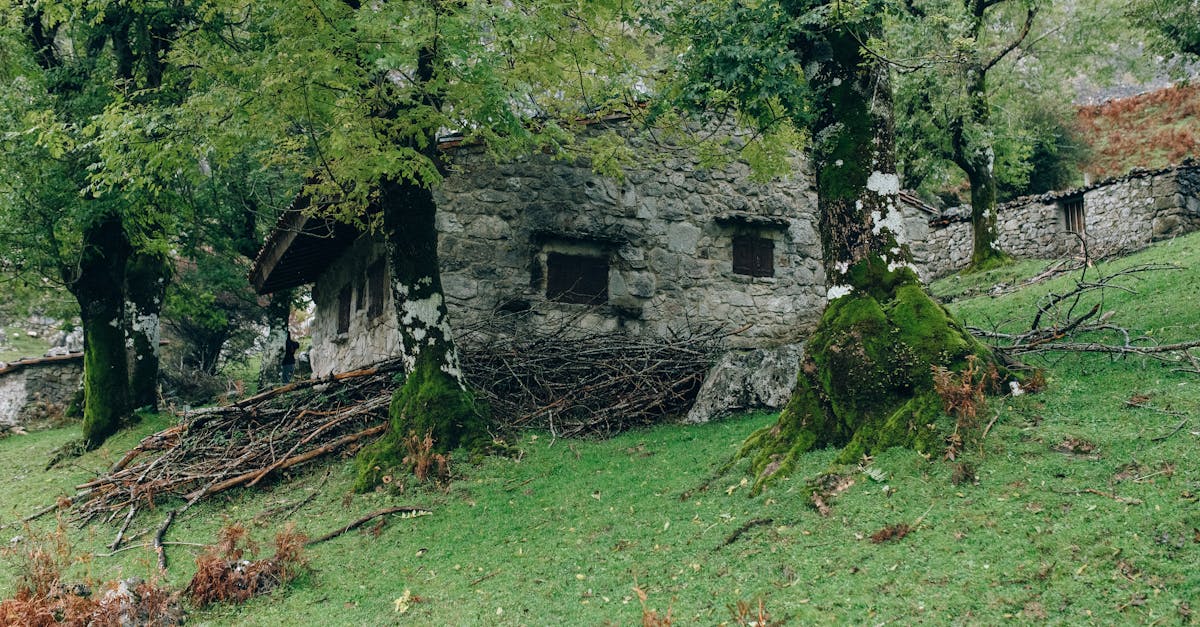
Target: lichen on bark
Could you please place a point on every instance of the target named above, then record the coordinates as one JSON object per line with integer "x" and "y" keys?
{"x": 146, "y": 276}
{"x": 434, "y": 396}
{"x": 98, "y": 285}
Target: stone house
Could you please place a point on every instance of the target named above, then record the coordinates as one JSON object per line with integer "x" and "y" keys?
{"x": 1115, "y": 215}
{"x": 672, "y": 247}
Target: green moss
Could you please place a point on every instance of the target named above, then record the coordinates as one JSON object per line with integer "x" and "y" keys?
{"x": 105, "y": 381}
{"x": 428, "y": 401}
{"x": 998, "y": 259}
{"x": 866, "y": 383}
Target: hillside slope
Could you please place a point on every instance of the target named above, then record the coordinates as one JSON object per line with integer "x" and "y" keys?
{"x": 1082, "y": 510}
{"x": 1150, "y": 130}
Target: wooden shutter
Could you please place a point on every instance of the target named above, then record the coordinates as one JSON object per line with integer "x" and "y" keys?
{"x": 343, "y": 312}
{"x": 1073, "y": 215}
{"x": 753, "y": 256}
{"x": 580, "y": 279}
{"x": 376, "y": 284}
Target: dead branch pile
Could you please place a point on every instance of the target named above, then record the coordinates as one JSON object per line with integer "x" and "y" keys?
{"x": 578, "y": 382}
{"x": 1077, "y": 321}
{"x": 571, "y": 381}
{"x": 218, "y": 448}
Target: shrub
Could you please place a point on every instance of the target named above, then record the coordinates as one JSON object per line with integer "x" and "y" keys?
{"x": 224, "y": 575}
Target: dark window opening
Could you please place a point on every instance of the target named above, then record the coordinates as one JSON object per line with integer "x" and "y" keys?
{"x": 753, "y": 256}
{"x": 376, "y": 284}
{"x": 360, "y": 295}
{"x": 1073, "y": 215}
{"x": 577, "y": 279}
{"x": 343, "y": 313}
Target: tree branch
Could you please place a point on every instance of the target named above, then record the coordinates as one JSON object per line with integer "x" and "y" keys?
{"x": 1012, "y": 45}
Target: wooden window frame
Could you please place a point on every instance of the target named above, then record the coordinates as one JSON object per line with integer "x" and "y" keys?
{"x": 1075, "y": 215}
{"x": 753, "y": 255}
{"x": 579, "y": 279}
{"x": 376, "y": 286}
{"x": 344, "y": 300}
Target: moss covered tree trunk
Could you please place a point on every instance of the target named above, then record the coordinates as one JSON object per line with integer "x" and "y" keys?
{"x": 434, "y": 398}
{"x": 98, "y": 285}
{"x": 866, "y": 382}
{"x": 146, "y": 276}
{"x": 974, "y": 155}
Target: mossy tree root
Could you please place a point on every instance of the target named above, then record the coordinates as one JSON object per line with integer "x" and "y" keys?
{"x": 866, "y": 383}
{"x": 429, "y": 401}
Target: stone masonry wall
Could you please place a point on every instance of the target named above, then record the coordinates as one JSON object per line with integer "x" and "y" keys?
{"x": 666, "y": 230}
{"x": 37, "y": 391}
{"x": 1120, "y": 215}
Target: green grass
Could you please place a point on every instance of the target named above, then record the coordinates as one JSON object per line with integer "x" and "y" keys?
{"x": 560, "y": 534}
{"x": 19, "y": 346}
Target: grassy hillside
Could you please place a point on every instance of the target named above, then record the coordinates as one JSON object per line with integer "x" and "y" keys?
{"x": 1085, "y": 511}
{"x": 1146, "y": 131}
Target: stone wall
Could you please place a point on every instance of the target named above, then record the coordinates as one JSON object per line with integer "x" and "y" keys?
{"x": 666, "y": 232}
{"x": 35, "y": 391}
{"x": 1120, "y": 215}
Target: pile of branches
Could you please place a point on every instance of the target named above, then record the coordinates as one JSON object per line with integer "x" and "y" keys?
{"x": 578, "y": 382}
{"x": 1077, "y": 320}
{"x": 218, "y": 448}
{"x": 572, "y": 381}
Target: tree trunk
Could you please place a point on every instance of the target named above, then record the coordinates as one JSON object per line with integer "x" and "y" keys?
{"x": 985, "y": 251}
{"x": 146, "y": 277}
{"x": 434, "y": 397}
{"x": 973, "y": 153}
{"x": 279, "y": 311}
{"x": 866, "y": 380}
{"x": 99, "y": 288}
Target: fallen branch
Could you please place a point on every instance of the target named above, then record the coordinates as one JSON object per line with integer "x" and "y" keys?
{"x": 147, "y": 545}
{"x": 1115, "y": 497}
{"x": 484, "y": 578}
{"x": 403, "y": 509}
{"x": 1177, "y": 429}
{"x": 159, "y": 549}
{"x": 62, "y": 502}
{"x": 237, "y": 445}
{"x": 578, "y": 382}
{"x": 1153, "y": 408}
{"x": 1056, "y": 322}
{"x": 292, "y": 461}
{"x": 746, "y": 526}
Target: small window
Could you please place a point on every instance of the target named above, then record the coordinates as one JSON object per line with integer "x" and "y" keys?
{"x": 580, "y": 279}
{"x": 376, "y": 284}
{"x": 1073, "y": 215}
{"x": 343, "y": 313}
{"x": 360, "y": 295}
{"x": 753, "y": 256}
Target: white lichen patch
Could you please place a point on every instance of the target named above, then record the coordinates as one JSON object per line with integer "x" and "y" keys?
{"x": 837, "y": 291}
{"x": 896, "y": 265}
{"x": 149, "y": 327}
{"x": 421, "y": 312}
{"x": 884, "y": 183}
{"x": 893, "y": 222}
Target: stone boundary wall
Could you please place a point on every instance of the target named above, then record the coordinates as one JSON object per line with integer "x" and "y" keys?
{"x": 1120, "y": 215}
{"x": 38, "y": 390}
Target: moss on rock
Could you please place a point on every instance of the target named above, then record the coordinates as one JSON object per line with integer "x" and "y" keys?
{"x": 866, "y": 383}
{"x": 428, "y": 401}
